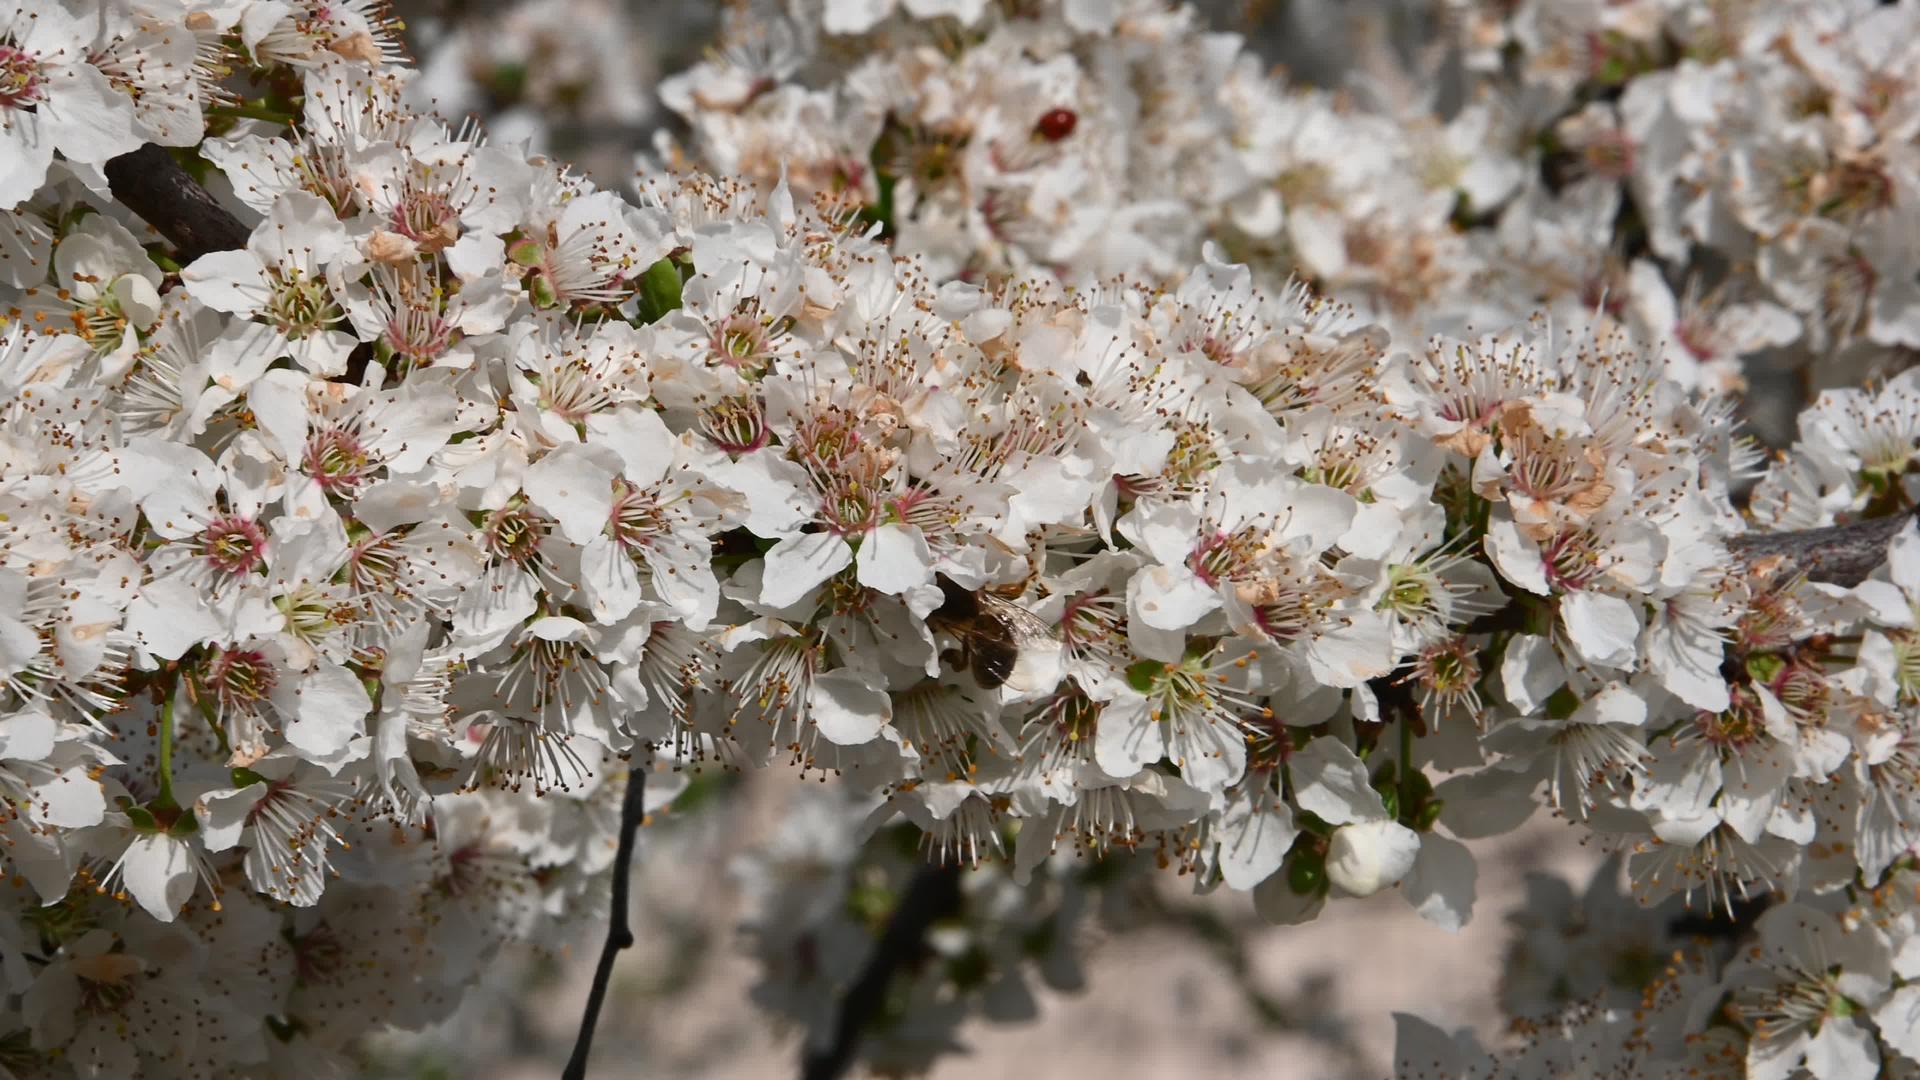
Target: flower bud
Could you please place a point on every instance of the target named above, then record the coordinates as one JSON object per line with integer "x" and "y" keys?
{"x": 391, "y": 248}
{"x": 1368, "y": 856}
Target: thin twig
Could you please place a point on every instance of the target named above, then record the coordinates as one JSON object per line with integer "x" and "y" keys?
{"x": 1838, "y": 554}
{"x": 933, "y": 894}
{"x": 619, "y": 932}
{"x": 150, "y": 183}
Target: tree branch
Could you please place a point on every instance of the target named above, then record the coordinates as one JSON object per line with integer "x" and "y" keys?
{"x": 150, "y": 183}
{"x": 619, "y": 933}
{"x": 1838, "y": 554}
{"x": 933, "y": 894}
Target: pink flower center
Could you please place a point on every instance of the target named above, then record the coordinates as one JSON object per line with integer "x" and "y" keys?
{"x": 418, "y": 335}
{"x": 428, "y": 219}
{"x": 21, "y": 84}
{"x": 337, "y": 462}
{"x": 234, "y": 545}
{"x": 240, "y": 679}
{"x": 513, "y": 534}
{"x": 741, "y": 343}
{"x": 735, "y": 426}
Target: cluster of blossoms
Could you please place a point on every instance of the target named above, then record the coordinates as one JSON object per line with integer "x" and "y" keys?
{"x": 344, "y": 568}
{"x": 1718, "y": 179}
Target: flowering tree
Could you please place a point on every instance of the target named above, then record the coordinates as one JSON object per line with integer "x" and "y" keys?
{"x": 1063, "y": 436}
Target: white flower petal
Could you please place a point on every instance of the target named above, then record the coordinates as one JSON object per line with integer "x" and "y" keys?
{"x": 1170, "y": 597}
{"x": 1530, "y": 671}
{"x": 223, "y": 814}
{"x": 1604, "y": 628}
{"x": 1842, "y": 1049}
{"x": 1255, "y": 837}
{"x": 797, "y": 565}
{"x": 1903, "y": 558}
{"x": 1516, "y": 557}
{"x": 1441, "y": 886}
{"x": 1348, "y": 653}
{"x": 329, "y": 709}
{"x": 895, "y": 559}
{"x": 27, "y": 736}
{"x": 169, "y": 617}
{"x": 847, "y": 711}
{"x": 1898, "y": 1019}
{"x": 158, "y": 872}
{"x": 71, "y": 799}
{"x": 1127, "y": 738}
{"x": 574, "y": 483}
{"x": 610, "y": 579}
{"x": 229, "y": 281}
{"x": 1331, "y": 781}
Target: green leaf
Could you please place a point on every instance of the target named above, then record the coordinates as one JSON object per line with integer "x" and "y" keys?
{"x": 542, "y": 291}
{"x": 1141, "y": 674}
{"x": 1562, "y": 704}
{"x": 659, "y": 291}
{"x": 1765, "y": 667}
{"x": 528, "y": 253}
{"x": 1306, "y": 873}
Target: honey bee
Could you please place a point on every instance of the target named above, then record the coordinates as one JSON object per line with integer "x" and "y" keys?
{"x": 994, "y": 633}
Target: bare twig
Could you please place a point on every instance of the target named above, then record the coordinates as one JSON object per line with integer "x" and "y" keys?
{"x": 1838, "y": 554}
{"x": 933, "y": 894}
{"x": 150, "y": 183}
{"x": 619, "y": 932}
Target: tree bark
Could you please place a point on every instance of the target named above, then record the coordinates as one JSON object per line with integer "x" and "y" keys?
{"x": 150, "y": 183}
{"x": 1839, "y": 554}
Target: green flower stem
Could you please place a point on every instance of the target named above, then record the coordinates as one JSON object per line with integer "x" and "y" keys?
{"x": 166, "y": 801}
{"x": 249, "y": 111}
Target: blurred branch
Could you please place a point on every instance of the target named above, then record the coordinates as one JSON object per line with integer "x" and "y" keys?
{"x": 150, "y": 183}
{"x": 1838, "y": 554}
{"x": 933, "y": 894}
{"x": 1309, "y": 1011}
{"x": 619, "y": 934}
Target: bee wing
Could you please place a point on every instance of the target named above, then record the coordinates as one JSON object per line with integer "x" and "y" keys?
{"x": 1027, "y": 629}
{"x": 1032, "y": 652}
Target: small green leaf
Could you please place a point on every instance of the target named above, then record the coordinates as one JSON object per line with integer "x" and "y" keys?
{"x": 659, "y": 291}
{"x": 1562, "y": 704}
{"x": 1306, "y": 873}
{"x": 542, "y": 291}
{"x": 1140, "y": 674}
{"x": 527, "y": 253}
{"x": 1765, "y": 667}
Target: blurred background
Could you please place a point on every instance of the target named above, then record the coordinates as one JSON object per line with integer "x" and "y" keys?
{"x": 1175, "y": 985}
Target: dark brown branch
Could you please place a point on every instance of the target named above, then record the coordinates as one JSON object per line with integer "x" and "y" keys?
{"x": 619, "y": 932}
{"x": 933, "y": 894}
{"x": 1838, "y": 554}
{"x": 150, "y": 183}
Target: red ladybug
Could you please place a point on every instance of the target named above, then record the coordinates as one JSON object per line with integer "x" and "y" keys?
{"x": 1057, "y": 124}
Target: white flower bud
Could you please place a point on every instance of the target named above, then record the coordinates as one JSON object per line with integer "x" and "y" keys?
{"x": 1371, "y": 855}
